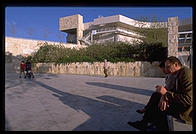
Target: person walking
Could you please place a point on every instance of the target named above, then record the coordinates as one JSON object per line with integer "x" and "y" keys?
{"x": 105, "y": 68}
{"x": 22, "y": 69}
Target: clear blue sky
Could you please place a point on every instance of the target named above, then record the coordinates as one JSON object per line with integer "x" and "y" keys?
{"x": 42, "y": 23}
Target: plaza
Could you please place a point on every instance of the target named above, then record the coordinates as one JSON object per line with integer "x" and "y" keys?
{"x": 75, "y": 102}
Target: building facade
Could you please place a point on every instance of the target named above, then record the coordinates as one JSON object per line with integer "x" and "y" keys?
{"x": 104, "y": 29}
{"x": 118, "y": 28}
{"x": 185, "y": 34}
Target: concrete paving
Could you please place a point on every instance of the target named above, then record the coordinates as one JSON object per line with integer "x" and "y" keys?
{"x": 75, "y": 102}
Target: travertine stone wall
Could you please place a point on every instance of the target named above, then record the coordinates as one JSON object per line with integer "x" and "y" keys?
{"x": 173, "y": 36}
{"x": 24, "y": 47}
{"x": 69, "y": 22}
{"x": 131, "y": 69}
{"x": 72, "y": 22}
{"x": 127, "y": 39}
{"x": 80, "y": 28}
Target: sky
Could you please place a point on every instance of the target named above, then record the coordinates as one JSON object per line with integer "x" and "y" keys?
{"x": 42, "y": 23}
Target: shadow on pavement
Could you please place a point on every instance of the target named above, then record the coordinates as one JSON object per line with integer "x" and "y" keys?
{"x": 122, "y": 88}
{"x": 46, "y": 76}
{"x": 12, "y": 83}
{"x": 108, "y": 114}
{"x": 7, "y": 125}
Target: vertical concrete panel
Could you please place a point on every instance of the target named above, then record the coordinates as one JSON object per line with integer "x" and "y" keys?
{"x": 173, "y": 36}
{"x": 80, "y": 29}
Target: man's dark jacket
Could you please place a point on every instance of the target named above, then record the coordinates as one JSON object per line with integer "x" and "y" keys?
{"x": 182, "y": 97}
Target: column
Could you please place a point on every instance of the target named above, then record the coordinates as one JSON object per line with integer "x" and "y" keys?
{"x": 173, "y": 36}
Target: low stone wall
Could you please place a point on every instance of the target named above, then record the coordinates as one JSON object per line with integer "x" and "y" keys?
{"x": 16, "y": 48}
{"x": 25, "y": 47}
{"x": 131, "y": 69}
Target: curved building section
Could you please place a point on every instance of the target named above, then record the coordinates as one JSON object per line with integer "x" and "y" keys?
{"x": 104, "y": 29}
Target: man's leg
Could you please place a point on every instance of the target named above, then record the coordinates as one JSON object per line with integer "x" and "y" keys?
{"x": 105, "y": 72}
{"x": 161, "y": 120}
{"x": 154, "y": 100}
{"x": 155, "y": 115}
{"x": 20, "y": 73}
{"x": 32, "y": 74}
{"x": 24, "y": 73}
{"x": 151, "y": 113}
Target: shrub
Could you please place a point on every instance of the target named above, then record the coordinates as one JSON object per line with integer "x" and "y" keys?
{"x": 113, "y": 52}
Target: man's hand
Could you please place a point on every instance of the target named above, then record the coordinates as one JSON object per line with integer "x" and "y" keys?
{"x": 161, "y": 89}
{"x": 163, "y": 104}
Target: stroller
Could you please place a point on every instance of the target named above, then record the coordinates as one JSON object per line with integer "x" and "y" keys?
{"x": 29, "y": 73}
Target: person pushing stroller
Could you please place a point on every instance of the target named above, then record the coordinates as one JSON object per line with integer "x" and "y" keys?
{"x": 28, "y": 69}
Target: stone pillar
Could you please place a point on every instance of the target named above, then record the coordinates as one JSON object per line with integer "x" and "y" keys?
{"x": 73, "y": 25}
{"x": 80, "y": 29}
{"x": 173, "y": 36}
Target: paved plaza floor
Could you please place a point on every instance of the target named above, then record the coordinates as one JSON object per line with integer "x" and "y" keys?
{"x": 62, "y": 102}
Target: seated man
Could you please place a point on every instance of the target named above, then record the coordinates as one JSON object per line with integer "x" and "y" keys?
{"x": 177, "y": 102}
{"x": 169, "y": 85}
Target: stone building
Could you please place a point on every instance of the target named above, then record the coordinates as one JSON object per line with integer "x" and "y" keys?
{"x": 185, "y": 42}
{"x": 112, "y": 28}
{"x": 185, "y": 34}
{"x": 120, "y": 28}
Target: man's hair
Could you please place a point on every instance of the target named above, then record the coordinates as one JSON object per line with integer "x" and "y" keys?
{"x": 173, "y": 59}
{"x": 162, "y": 64}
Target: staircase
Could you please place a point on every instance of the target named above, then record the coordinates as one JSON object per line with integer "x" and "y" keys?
{"x": 86, "y": 38}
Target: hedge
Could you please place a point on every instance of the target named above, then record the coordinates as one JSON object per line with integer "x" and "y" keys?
{"x": 113, "y": 52}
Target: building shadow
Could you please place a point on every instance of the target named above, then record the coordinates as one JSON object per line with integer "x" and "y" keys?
{"x": 12, "y": 83}
{"x": 12, "y": 79}
{"x": 106, "y": 113}
{"x": 7, "y": 125}
{"x": 46, "y": 76}
{"x": 122, "y": 88}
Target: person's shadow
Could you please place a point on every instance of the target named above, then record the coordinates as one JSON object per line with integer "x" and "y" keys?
{"x": 106, "y": 114}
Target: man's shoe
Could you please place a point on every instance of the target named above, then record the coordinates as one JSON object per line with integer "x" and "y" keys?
{"x": 151, "y": 127}
{"x": 139, "y": 125}
{"x": 141, "y": 111}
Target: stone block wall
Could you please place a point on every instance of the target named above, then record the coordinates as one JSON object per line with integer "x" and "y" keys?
{"x": 131, "y": 69}
{"x": 25, "y": 47}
